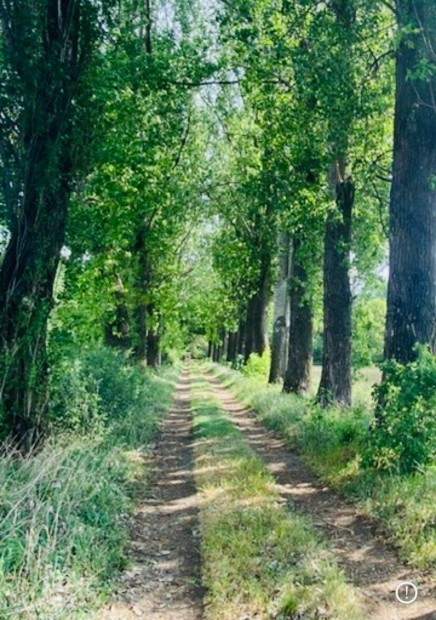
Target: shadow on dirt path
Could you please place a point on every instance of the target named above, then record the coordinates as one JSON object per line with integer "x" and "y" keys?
{"x": 163, "y": 582}
{"x": 369, "y": 563}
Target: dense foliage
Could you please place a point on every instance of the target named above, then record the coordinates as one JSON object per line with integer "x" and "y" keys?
{"x": 406, "y": 437}
{"x": 248, "y": 181}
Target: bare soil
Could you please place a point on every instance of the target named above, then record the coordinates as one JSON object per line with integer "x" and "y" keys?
{"x": 163, "y": 578}
{"x": 370, "y": 564}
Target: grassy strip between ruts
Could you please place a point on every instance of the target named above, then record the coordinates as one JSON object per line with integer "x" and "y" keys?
{"x": 63, "y": 511}
{"x": 331, "y": 442}
{"x": 260, "y": 559}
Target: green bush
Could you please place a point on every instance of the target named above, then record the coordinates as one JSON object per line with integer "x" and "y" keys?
{"x": 404, "y": 438}
{"x": 75, "y": 401}
{"x": 368, "y": 331}
{"x": 332, "y": 438}
{"x": 258, "y": 365}
{"x": 96, "y": 387}
{"x": 198, "y": 348}
{"x": 63, "y": 510}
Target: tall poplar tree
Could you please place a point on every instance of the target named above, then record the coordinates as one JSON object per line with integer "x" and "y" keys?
{"x": 46, "y": 48}
{"x": 411, "y": 311}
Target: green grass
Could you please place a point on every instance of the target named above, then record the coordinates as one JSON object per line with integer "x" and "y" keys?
{"x": 363, "y": 382}
{"x": 332, "y": 442}
{"x": 260, "y": 559}
{"x": 63, "y": 512}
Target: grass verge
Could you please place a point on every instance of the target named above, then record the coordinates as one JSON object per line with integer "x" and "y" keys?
{"x": 332, "y": 442}
{"x": 63, "y": 511}
{"x": 260, "y": 559}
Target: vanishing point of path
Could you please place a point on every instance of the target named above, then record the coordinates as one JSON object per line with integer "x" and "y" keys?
{"x": 369, "y": 563}
{"x": 164, "y": 581}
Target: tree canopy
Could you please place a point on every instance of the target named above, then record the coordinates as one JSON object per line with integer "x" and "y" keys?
{"x": 240, "y": 174}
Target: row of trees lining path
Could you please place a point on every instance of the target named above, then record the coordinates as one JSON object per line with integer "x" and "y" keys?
{"x": 111, "y": 124}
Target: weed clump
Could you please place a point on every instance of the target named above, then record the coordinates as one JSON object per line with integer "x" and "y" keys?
{"x": 404, "y": 437}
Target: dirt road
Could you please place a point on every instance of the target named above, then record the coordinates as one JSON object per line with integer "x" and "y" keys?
{"x": 163, "y": 581}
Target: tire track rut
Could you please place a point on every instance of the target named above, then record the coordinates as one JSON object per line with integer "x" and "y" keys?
{"x": 164, "y": 576}
{"x": 369, "y": 563}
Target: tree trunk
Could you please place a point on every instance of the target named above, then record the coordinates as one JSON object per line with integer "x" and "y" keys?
{"x": 222, "y": 345}
{"x": 38, "y": 177}
{"x": 232, "y": 345}
{"x": 240, "y": 342}
{"x": 297, "y": 376}
{"x": 140, "y": 316}
{"x": 142, "y": 286}
{"x": 335, "y": 385}
{"x": 148, "y": 28}
{"x": 117, "y": 331}
{"x": 153, "y": 337}
{"x": 256, "y": 339}
{"x": 215, "y": 353}
{"x": 242, "y": 331}
{"x": 411, "y": 309}
{"x": 249, "y": 330}
{"x": 26, "y": 294}
{"x": 209, "y": 349}
{"x": 225, "y": 345}
{"x": 153, "y": 348}
{"x": 281, "y": 311}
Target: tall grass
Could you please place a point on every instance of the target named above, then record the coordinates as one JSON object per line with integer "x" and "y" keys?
{"x": 260, "y": 558}
{"x": 63, "y": 510}
{"x": 333, "y": 443}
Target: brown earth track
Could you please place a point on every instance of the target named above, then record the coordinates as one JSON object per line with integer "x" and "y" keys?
{"x": 370, "y": 564}
{"x": 164, "y": 581}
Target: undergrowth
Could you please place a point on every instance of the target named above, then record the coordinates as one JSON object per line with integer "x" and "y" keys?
{"x": 260, "y": 559}
{"x": 63, "y": 510}
{"x": 335, "y": 443}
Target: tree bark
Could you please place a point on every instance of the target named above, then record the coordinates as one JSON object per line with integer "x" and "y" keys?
{"x": 298, "y": 372}
{"x": 153, "y": 348}
{"x": 219, "y": 346}
{"x": 232, "y": 346}
{"x": 117, "y": 331}
{"x": 242, "y": 330}
{"x": 142, "y": 287}
{"x": 215, "y": 352}
{"x": 411, "y": 309}
{"x": 42, "y": 167}
{"x": 256, "y": 338}
{"x": 335, "y": 385}
{"x": 148, "y": 28}
{"x": 223, "y": 345}
{"x": 281, "y": 311}
{"x": 153, "y": 337}
{"x": 140, "y": 315}
{"x": 144, "y": 273}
